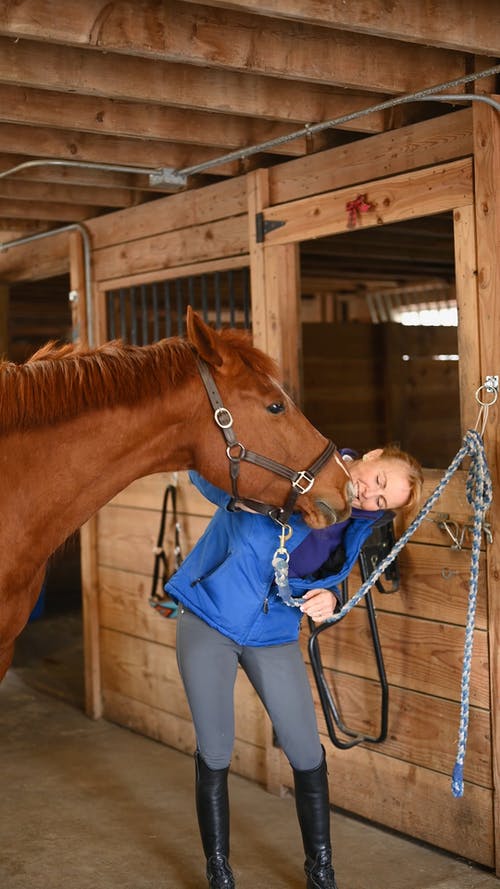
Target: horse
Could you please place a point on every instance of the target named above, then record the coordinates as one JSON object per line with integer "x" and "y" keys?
{"x": 79, "y": 425}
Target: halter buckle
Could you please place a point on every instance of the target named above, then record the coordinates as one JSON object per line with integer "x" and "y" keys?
{"x": 304, "y": 482}
{"x": 223, "y": 418}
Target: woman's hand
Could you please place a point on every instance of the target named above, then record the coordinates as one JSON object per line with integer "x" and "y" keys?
{"x": 320, "y": 605}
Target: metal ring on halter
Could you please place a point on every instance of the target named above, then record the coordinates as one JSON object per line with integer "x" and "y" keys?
{"x": 491, "y": 391}
{"x": 233, "y": 457}
{"x": 218, "y": 415}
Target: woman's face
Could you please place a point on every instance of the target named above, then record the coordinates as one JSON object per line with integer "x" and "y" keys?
{"x": 379, "y": 482}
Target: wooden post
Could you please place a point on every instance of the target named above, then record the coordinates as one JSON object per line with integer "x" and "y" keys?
{"x": 487, "y": 206}
{"x": 469, "y": 367}
{"x": 275, "y": 290}
{"x": 4, "y": 321}
{"x": 77, "y": 289}
{"x": 88, "y": 533}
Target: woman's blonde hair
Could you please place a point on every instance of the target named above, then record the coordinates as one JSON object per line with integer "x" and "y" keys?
{"x": 414, "y": 470}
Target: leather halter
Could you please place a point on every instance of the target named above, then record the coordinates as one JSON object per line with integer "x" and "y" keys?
{"x": 301, "y": 481}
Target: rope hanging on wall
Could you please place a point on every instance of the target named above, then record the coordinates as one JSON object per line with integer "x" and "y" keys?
{"x": 479, "y": 495}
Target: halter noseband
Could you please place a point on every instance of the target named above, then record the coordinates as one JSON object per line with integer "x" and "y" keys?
{"x": 301, "y": 481}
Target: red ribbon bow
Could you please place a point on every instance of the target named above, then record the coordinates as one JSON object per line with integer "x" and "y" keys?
{"x": 355, "y": 208}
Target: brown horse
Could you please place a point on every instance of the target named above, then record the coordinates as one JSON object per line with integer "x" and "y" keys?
{"x": 79, "y": 426}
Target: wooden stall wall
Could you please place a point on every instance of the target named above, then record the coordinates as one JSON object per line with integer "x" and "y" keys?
{"x": 366, "y": 383}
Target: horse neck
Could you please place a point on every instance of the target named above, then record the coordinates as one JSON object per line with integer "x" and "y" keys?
{"x": 59, "y": 476}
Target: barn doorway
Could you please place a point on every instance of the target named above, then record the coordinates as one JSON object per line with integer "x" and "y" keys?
{"x": 49, "y": 653}
{"x": 380, "y": 345}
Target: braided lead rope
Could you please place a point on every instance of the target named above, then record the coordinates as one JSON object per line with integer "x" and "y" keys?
{"x": 479, "y": 495}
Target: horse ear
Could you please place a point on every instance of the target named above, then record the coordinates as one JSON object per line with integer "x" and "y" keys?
{"x": 204, "y": 339}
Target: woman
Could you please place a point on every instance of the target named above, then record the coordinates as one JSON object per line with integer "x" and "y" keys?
{"x": 232, "y": 612}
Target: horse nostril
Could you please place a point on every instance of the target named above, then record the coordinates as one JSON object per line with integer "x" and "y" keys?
{"x": 349, "y": 492}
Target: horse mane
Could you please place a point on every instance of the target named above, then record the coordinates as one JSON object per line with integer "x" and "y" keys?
{"x": 60, "y": 382}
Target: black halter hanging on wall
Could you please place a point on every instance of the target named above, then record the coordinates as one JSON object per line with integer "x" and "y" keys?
{"x": 158, "y": 600}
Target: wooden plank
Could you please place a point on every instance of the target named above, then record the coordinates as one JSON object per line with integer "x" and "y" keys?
{"x": 487, "y": 155}
{"x": 127, "y": 537}
{"x": 4, "y": 316}
{"x": 147, "y": 493}
{"x": 42, "y": 210}
{"x": 78, "y": 289}
{"x": 257, "y": 201}
{"x": 434, "y": 585}
{"x": 282, "y": 273}
{"x": 422, "y": 729}
{"x": 179, "y": 211}
{"x": 419, "y": 654}
{"x": 236, "y": 41}
{"x": 197, "y": 268}
{"x": 410, "y": 799}
{"x": 62, "y": 193}
{"x": 441, "y": 26}
{"x": 124, "y": 607}
{"x": 67, "y": 69}
{"x": 90, "y": 613}
{"x": 67, "y": 145}
{"x": 407, "y": 196}
{"x": 226, "y": 237}
{"x": 109, "y": 117}
{"x": 467, "y": 301}
{"x": 148, "y": 672}
{"x": 248, "y": 760}
{"x": 419, "y": 145}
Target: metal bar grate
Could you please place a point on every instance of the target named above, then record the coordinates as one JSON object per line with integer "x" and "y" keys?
{"x": 144, "y": 314}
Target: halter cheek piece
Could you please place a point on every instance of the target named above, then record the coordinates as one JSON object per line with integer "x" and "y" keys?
{"x": 301, "y": 481}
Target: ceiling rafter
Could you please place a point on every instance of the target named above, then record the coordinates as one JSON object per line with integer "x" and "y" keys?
{"x": 111, "y": 117}
{"x": 176, "y": 83}
{"x": 90, "y": 72}
{"x": 176, "y": 32}
{"x": 444, "y": 24}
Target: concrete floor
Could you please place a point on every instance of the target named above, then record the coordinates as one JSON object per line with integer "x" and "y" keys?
{"x": 91, "y": 805}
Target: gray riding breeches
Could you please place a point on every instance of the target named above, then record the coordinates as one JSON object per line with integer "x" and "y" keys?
{"x": 208, "y": 663}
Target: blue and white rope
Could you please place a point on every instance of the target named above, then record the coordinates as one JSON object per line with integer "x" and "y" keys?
{"x": 479, "y": 495}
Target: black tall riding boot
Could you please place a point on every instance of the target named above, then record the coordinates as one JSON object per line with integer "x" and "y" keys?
{"x": 313, "y": 810}
{"x": 212, "y": 806}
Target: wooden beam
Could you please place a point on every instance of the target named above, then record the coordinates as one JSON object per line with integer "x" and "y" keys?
{"x": 419, "y": 145}
{"x": 448, "y": 24}
{"x": 68, "y": 145}
{"x": 19, "y": 190}
{"x": 45, "y": 258}
{"x": 4, "y": 321}
{"x": 401, "y": 197}
{"x": 40, "y": 210}
{"x": 74, "y": 175}
{"x": 94, "y": 114}
{"x": 487, "y": 204}
{"x": 66, "y": 69}
{"x": 239, "y": 42}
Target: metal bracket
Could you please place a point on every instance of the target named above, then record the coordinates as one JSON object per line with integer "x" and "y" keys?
{"x": 263, "y": 226}
{"x": 491, "y": 383}
{"x": 167, "y": 176}
{"x": 455, "y": 531}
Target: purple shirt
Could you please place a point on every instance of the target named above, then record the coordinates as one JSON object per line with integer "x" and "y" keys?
{"x": 317, "y": 546}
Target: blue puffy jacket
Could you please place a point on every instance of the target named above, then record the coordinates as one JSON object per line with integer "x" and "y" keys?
{"x": 228, "y": 578}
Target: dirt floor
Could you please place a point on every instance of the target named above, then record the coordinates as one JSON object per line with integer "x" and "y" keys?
{"x": 91, "y": 805}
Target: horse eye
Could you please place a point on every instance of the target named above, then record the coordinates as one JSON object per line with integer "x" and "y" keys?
{"x": 277, "y": 407}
